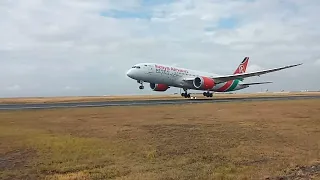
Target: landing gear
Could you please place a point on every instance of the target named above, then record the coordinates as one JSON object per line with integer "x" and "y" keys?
{"x": 185, "y": 94}
{"x": 207, "y": 94}
{"x": 141, "y": 86}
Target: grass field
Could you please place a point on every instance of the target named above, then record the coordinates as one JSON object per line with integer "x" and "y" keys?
{"x": 140, "y": 97}
{"x": 249, "y": 140}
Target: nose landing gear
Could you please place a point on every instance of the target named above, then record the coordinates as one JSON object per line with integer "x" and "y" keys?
{"x": 141, "y": 86}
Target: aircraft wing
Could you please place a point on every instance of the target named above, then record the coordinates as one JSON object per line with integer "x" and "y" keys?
{"x": 220, "y": 79}
{"x": 256, "y": 83}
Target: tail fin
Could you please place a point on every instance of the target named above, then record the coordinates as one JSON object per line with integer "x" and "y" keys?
{"x": 242, "y": 67}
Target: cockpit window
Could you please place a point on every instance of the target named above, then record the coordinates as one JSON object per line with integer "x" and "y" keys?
{"x": 137, "y": 67}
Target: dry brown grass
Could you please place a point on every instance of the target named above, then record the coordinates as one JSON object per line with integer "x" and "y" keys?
{"x": 140, "y": 97}
{"x": 250, "y": 140}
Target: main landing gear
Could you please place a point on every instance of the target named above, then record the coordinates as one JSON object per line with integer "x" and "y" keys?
{"x": 185, "y": 94}
{"x": 207, "y": 94}
{"x": 141, "y": 86}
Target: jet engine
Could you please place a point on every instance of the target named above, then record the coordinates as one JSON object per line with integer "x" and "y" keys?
{"x": 203, "y": 83}
{"x": 159, "y": 87}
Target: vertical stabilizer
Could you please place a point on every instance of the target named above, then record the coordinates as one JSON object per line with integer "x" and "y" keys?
{"x": 242, "y": 67}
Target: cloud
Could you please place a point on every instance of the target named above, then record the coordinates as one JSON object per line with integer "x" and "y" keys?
{"x": 253, "y": 68}
{"x": 47, "y": 46}
{"x": 71, "y": 88}
{"x": 13, "y": 88}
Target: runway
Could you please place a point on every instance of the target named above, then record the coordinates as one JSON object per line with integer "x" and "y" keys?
{"x": 145, "y": 102}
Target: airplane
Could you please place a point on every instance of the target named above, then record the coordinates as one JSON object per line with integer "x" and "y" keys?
{"x": 162, "y": 77}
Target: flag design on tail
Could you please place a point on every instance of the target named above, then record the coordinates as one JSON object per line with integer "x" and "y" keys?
{"x": 242, "y": 67}
{"x": 232, "y": 84}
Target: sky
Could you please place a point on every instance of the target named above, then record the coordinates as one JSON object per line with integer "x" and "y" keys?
{"x": 83, "y": 47}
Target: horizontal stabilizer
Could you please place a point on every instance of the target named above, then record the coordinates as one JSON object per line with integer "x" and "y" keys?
{"x": 248, "y": 84}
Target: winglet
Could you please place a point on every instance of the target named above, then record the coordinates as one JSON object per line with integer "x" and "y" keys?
{"x": 242, "y": 67}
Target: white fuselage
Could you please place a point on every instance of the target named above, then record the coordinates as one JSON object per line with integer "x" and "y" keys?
{"x": 173, "y": 76}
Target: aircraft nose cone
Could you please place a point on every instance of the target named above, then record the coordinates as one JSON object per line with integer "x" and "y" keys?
{"x": 129, "y": 73}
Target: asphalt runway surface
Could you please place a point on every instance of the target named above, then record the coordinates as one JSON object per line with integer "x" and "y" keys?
{"x": 145, "y": 102}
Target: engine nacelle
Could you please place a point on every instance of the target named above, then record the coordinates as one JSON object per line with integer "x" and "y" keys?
{"x": 203, "y": 83}
{"x": 159, "y": 87}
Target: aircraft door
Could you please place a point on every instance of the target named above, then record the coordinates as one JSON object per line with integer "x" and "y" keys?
{"x": 150, "y": 69}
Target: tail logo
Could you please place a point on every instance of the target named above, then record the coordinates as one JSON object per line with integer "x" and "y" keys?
{"x": 241, "y": 69}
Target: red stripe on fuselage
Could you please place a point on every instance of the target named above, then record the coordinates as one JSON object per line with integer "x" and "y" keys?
{"x": 226, "y": 86}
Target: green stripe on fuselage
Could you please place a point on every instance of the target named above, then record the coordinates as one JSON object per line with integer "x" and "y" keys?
{"x": 234, "y": 85}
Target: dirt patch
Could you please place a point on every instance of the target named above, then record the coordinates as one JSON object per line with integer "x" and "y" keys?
{"x": 300, "y": 172}
{"x": 16, "y": 159}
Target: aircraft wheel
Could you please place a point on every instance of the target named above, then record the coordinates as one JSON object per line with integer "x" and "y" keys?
{"x": 207, "y": 94}
{"x": 141, "y": 87}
